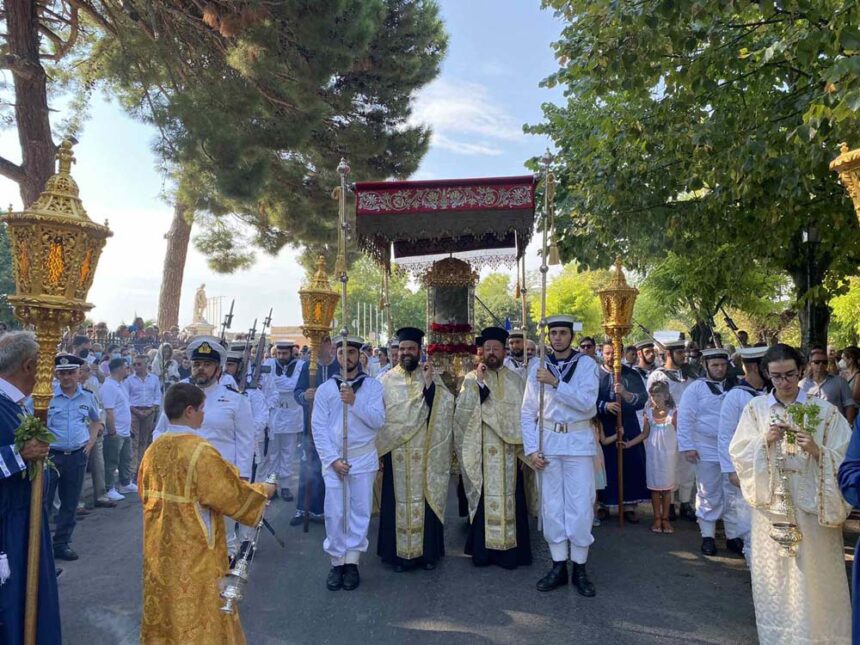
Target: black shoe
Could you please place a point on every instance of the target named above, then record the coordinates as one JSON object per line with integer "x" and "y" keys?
{"x": 350, "y": 576}
{"x": 630, "y": 517}
{"x": 688, "y": 512}
{"x": 557, "y": 577}
{"x": 672, "y": 514}
{"x": 735, "y": 545}
{"x": 64, "y": 553}
{"x": 335, "y": 579}
{"x": 429, "y": 566}
{"x": 709, "y": 546}
{"x": 298, "y": 519}
{"x": 286, "y": 495}
{"x": 318, "y": 518}
{"x": 581, "y": 582}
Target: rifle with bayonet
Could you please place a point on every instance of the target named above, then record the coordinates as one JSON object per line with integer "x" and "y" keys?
{"x": 260, "y": 354}
{"x": 228, "y": 322}
{"x": 246, "y": 354}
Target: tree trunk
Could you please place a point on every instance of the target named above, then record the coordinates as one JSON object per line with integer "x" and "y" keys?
{"x": 31, "y": 101}
{"x": 174, "y": 268}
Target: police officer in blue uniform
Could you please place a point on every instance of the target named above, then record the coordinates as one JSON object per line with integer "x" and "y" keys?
{"x": 73, "y": 418}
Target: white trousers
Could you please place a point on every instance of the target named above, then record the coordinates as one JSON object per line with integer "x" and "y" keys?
{"x": 710, "y": 501}
{"x": 345, "y": 547}
{"x": 279, "y": 460}
{"x": 567, "y": 506}
{"x": 737, "y": 517}
{"x": 686, "y": 479}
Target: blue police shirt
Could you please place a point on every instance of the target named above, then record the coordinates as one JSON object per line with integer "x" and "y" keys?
{"x": 69, "y": 418}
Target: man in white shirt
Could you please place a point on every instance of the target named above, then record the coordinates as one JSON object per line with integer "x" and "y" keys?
{"x": 564, "y": 458}
{"x": 356, "y": 471}
{"x": 698, "y": 431}
{"x": 144, "y": 397}
{"x": 117, "y": 442}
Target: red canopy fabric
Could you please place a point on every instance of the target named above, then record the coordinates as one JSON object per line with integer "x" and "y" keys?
{"x": 445, "y": 216}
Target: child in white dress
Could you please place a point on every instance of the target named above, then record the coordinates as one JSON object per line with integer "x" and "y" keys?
{"x": 661, "y": 453}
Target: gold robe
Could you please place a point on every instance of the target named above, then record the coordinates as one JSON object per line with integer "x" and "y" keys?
{"x": 420, "y": 453}
{"x": 186, "y": 488}
{"x": 489, "y": 440}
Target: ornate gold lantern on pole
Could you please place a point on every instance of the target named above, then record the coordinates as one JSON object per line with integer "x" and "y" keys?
{"x": 617, "y": 302}
{"x": 55, "y": 250}
{"x": 847, "y": 164}
{"x": 318, "y": 304}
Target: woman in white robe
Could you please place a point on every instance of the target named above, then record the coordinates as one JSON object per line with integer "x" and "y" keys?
{"x": 802, "y": 599}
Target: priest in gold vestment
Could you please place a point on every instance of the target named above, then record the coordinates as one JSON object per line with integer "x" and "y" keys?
{"x": 186, "y": 488}
{"x": 415, "y": 449}
{"x": 489, "y": 441}
{"x": 801, "y": 599}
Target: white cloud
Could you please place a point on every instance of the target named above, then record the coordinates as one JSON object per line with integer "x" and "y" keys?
{"x": 464, "y": 118}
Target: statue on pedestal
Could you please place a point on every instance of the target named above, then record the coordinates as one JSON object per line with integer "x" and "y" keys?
{"x": 200, "y": 302}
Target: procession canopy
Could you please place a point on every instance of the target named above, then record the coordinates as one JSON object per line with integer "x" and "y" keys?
{"x": 484, "y": 221}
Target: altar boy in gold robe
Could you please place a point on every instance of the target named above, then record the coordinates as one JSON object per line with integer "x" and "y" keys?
{"x": 415, "y": 449}
{"x": 489, "y": 441}
{"x": 186, "y": 488}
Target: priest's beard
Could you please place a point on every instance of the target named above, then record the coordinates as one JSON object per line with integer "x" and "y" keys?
{"x": 493, "y": 362}
{"x": 409, "y": 362}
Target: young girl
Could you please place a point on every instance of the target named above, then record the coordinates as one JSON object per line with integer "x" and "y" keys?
{"x": 661, "y": 453}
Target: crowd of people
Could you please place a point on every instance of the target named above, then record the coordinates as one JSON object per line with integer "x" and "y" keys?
{"x": 753, "y": 438}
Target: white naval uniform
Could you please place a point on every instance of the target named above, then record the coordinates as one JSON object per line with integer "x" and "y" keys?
{"x": 227, "y": 424}
{"x": 516, "y": 366}
{"x": 685, "y": 470}
{"x": 567, "y": 482}
{"x": 286, "y": 419}
{"x": 365, "y": 418}
{"x": 260, "y": 413}
{"x": 228, "y": 380}
{"x": 698, "y": 427}
{"x": 737, "y": 518}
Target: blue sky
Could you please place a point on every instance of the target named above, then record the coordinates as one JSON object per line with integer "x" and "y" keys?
{"x": 499, "y": 50}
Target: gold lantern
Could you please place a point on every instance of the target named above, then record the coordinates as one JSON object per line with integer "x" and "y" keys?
{"x": 55, "y": 249}
{"x": 617, "y": 302}
{"x": 318, "y": 305}
{"x": 847, "y": 164}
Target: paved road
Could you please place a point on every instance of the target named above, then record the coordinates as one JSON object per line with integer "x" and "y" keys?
{"x": 650, "y": 589}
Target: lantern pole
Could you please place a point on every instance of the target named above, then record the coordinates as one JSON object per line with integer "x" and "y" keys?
{"x": 617, "y": 302}
{"x": 343, "y": 229}
{"x": 318, "y": 305}
{"x": 55, "y": 250}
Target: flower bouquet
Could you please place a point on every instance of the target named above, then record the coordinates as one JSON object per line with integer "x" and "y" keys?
{"x": 32, "y": 428}
{"x": 805, "y": 417}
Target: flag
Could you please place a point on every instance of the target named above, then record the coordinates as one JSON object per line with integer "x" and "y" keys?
{"x": 508, "y": 325}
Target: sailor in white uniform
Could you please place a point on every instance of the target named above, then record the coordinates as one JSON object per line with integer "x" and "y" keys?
{"x": 517, "y": 359}
{"x": 357, "y": 471}
{"x": 565, "y": 460}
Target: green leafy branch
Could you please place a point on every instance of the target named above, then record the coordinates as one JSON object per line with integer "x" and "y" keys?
{"x": 32, "y": 428}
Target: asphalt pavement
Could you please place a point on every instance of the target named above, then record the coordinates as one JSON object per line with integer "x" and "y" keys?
{"x": 651, "y": 588}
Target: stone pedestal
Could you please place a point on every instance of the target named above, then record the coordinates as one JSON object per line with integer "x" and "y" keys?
{"x": 199, "y": 328}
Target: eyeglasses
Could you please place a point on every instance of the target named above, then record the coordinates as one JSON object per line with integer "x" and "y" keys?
{"x": 788, "y": 376}
{"x": 586, "y": 346}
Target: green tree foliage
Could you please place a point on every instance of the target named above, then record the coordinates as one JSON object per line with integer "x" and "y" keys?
{"x": 496, "y": 291}
{"x": 845, "y": 327}
{"x": 408, "y": 308}
{"x": 256, "y": 102}
{"x": 574, "y": 292}
{"x": 704, "y": 128}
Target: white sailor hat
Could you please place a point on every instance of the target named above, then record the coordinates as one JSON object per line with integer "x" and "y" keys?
{"x": 234, "y": 357}
{"x": 672, "y": 345}
{"x": 751, "y": 354}
{"x": 394, "y": 344}
{"x": 644, "y": 344}
{"x": 560, "y": 320}
{"x": 237, "y": 346}
{"x": 206, "y": 348}
{"x": 351, "y": 341}
{"x": 284, "y": 344}
{"x": 715, "y": 352}
{"x": 517, "y": 333}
